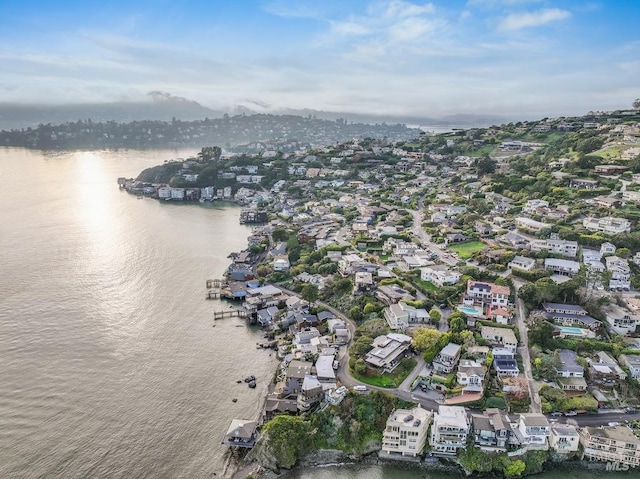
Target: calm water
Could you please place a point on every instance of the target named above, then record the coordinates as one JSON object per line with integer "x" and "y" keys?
{"x": 109, "y": 364}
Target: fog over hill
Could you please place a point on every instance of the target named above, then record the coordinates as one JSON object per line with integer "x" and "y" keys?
{"x": 162, "y": 106}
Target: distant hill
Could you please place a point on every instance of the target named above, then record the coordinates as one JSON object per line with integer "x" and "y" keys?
{"x": 158, "y": 106}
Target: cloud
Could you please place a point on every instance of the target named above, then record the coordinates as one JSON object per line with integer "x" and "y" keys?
{"x": 517, "y": 21}
{"x": 400, "y": 9}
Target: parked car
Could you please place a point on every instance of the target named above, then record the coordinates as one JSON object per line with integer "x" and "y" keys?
{"x": 630, "y": 410}
{"x": 556, "y": 413}
{"x": 570, "y": 413}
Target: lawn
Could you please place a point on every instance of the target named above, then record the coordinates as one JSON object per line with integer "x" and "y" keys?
{"x": 466, "y": 250}
{"x": 389, "y": 380}
{"x": 496, "y": 402}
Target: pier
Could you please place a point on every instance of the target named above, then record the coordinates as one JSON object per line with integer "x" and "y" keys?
{"x": 214, "y": 283}
{"x": 213, "y": 294}
{"x": 229, "y": 313}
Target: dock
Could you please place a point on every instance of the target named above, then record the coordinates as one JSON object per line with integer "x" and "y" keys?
{"x": 229, "y": 313}
{"x": 213, "y": 294}
{"x": 214, "y": 283}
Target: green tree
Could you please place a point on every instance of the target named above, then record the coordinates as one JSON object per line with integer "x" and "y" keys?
{"x": 280, "y": 234}
{"x": 310, "y": 294}
{"x": 435, "y": 316}
{"x": 425, "y": 338}
{"x": 515, "y": 468}
{"x": 457, "y": 322}
{"x": 288, "y": 438}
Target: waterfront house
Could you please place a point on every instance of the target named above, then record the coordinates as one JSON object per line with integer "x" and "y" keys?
{"x": 405, "y": 433}
{"x": 615, "y": 444}
{"x": 241, "y": 433}
{"x": 388, "y": 350}
{"x": 563, "y": 438}
{"x": 311, "y": 393}
{"x": 296, "y": 372}
{"x": 449, "y": 431}
{"x": 447, "y": 358}
{"x": 491, "y": 430}
{"x": 534, "y": 429}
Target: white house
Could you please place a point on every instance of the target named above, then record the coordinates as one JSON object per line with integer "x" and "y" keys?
{"x": 449, "y": 431}
{"x": 615, "y": 444}
{"x": 620, "y": 273}
{"x": 523, "y": 263}
{"x": 388, "y": 350}
{"x": 608, "y": 224}
{"x": 503, "y": 337}
{"x": 563, "y": 267}
{"x": 563, "y": 438}
{"x": 621, "y": 320}
{"x": 631, "y": 361}
{"x": 406, "y": 430}
{"x": 447, "y": 358}
{"x": 535, "y": 430}
{"x": 281, "y": 263}
{"x": 439, "y": 275}
{"x": 471, "y": 375}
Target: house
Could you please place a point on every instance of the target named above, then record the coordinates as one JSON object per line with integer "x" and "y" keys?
{"x": 570, "y": 373}
{"x": 528, "y": 223}
{"x": 311, "y": 393}
{"x": 556, "y": 246}
{"x": 491, "y": 430}
{"x": 471, "y": 375}
{"x": 267, "y": 316}
{"x": 399, "y": 315}
{"x": 562, "y": 267}
{"x": 615, "y": 444}
{"x": 563, "y": 438}
{"x": 483, "y": 292}
{"x": 500, "y": 315}
{"x": 296, "y": 372}
{"x": 388, "y": 350}
{"x": 504, "y": 363}
{"x": 569, "y": 315}
{"x": 606, "y": 360}
{"x": 514, "y": 240}
{"x": 241, "y": 433}
{"x": 583, "y": 184}
{"x": 439, "y": 275}
{"x": 503, "y": 337}
{"x": 482, "y": 228}
{"x": 608, "y": 224}
{"x": 452, "y": 238}
{"x": 523, "y": 263}
{"x": 363, "y": 282}
{"x": 447, "y": 358}
{"x": 534, "y": 428}
{"x": 632, "y": 362}
{"x": 607, "y": 248}
{"x": 621, "y": 320}
{"x": 281, "y": 263}
{"x": 620, "y": 273}
{"x": 406, "y": 431}
{"x": 325, "y": 372}
{"x": 449, "y": 431}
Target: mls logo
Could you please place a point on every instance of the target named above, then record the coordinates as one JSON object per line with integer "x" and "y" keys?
{"x": 617, "y": 466}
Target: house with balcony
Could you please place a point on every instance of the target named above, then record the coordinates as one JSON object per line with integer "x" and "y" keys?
{"x": 534, "y": 428}
{"x": 615, "y": 444}
{"x": 471, "y": 376}
{"x": 449, "y": 431}
{"x": 439, "y": 275}
{"x": 241, "y": 433}
{"x": 388, "y": 350}
{"x": 491, "y": 430}
{"x": 583, "y": 184}
{"x": 447, "y": 358}
{"x": 620, "y": 273}
{"x": 528, "y": 223}
{"x": 406, "y": 432}
{"x": 609, "y": 224}
{"x": 569, "y": 315}
{"x": 563, "y": 438}
{"x": 556, "y": 246}
{"x": 311, "y": 393}
{"x": 399, "y": 315}
{"x": 562, "y": 267}
{"x": 480, "y": 292}
{"x": 621, "y": 320}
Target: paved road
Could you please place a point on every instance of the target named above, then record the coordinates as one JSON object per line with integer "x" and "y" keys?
{"x": 523, "y": 349}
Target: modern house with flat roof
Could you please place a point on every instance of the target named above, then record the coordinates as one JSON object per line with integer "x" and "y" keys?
{"x": 449, "y": 431}
{"x": 388, "y": 350}
{"x": 406, "y": 430}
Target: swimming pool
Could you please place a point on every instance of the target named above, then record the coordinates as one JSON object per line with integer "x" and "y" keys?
{"x": 468, "y": 310}
{"x": 570, "y": 330}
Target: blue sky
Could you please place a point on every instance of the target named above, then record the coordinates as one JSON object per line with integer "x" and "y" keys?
{"x": 506, "y": 57}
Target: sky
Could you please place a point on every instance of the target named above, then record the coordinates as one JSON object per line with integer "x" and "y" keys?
{"x": 529, "y": 58}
